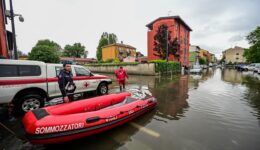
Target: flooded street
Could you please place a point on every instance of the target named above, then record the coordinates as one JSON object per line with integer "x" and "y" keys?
{"x": 219, "y": 109}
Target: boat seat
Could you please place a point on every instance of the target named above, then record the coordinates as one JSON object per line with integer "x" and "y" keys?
{"x": 127, "y": 100}
{"x": 40, "y": 113}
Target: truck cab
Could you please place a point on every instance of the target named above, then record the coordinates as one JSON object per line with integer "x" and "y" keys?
{"x": 28, "y": 84}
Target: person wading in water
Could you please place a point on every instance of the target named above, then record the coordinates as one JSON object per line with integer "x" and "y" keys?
{"x": 121, "y": 74}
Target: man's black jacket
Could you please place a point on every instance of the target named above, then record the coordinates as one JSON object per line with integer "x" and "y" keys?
{"x": 65, "y": 80}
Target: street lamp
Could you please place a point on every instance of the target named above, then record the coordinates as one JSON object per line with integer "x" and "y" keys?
{"x": 10, "y": 14}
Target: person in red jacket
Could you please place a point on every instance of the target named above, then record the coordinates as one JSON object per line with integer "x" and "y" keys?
{"x": 121, "y": 74}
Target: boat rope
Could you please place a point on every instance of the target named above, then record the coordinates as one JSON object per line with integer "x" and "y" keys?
{"x": 121, "y": 112}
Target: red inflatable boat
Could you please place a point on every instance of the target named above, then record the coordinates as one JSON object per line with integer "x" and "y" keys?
{"x": 78, "y": 119}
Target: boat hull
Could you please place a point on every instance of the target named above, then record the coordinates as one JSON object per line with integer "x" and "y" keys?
{"x": 54, "y": 125}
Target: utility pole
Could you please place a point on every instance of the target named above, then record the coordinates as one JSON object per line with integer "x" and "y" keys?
{"x": 13, "y": 30}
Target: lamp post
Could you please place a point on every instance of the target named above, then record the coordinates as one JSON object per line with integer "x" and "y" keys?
{"x": 13, "y": 30}
{"x": 10, "y": 14}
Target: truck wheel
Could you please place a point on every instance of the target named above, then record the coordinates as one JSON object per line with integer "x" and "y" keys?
{"x": 27, "y": 103}
{"x": 102, "y": 89}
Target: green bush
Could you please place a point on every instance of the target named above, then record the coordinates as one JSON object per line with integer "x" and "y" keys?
{"x": 101, "y": 61}
{"x": 116, "y": 61}
{"x": 110, "y": 60}
{"x": 163, "y": 66}
{"x": 202, "y": 61}
{"x": 157, "y": 61}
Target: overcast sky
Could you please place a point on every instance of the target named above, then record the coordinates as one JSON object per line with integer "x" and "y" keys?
{"x": 217, "y": 24}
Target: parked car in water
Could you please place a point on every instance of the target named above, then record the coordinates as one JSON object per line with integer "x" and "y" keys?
{"x": 28, "y": 84}
{"x": 244, "y": 68}
{"x": 257, "y": 67}
{"x": 204, "y": 66}
{"x": 196, "y": 69}
{"x": 251, "y": 67}
{"x": 241, "y": 67}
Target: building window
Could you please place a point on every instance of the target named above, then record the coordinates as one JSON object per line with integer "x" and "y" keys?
{"x": 237, "y": 54}
{"x": 237, "y": 58}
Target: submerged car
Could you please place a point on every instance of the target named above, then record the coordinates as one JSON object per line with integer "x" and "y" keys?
{"x": 196, "y": 69}
{"x": 241, "y": 67}
{"x": 257, "y": 68}
{"x": 251, "y": 67}
{"x": 204, "y": 66}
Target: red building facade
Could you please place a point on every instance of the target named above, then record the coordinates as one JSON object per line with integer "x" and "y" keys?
{"x": 3, "y": 41}
{"x": 178, "y": 29}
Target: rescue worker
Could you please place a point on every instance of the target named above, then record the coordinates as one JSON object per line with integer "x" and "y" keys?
{"x": 121, "y": 74}
{"x": 66, "y": 84}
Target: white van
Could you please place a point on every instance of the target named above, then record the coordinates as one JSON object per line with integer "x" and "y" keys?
{"x": 28, "y": 84}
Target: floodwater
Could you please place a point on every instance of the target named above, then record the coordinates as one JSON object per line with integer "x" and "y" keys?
{"x": 219, "y": 109}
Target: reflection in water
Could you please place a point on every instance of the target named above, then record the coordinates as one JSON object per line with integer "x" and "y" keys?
{"x": 252, "y": 95}
{"x": 251, "y": 81}
{"x": 172, "y": 97}
{"x": 232, "y": 76}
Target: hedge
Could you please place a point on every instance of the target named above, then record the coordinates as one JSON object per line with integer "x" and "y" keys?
{"x": 160, "y": 65}
{"x": 163, "y": 66}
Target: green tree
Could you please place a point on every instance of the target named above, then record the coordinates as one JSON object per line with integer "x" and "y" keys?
{"x": 50, "y": 43}
{"x": 75, "y": 50}
{"x": 105, "y": 39}
{"x": 45, "y": 50}
{"x": 55, "y": 46}
{"x": 252, "y": 54}
{"x": 112, "y": 38}
{"x": 223, "y": 59}
{"x": 102, "y": 42}
{"x": 160, "y": 43}
{"x": 202, "y": 61}
{"x": 44, "y": 53}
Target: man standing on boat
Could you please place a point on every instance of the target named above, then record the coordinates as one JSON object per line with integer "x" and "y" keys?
{"x": 121, "y": 74}
{"x": 66, "y": 84}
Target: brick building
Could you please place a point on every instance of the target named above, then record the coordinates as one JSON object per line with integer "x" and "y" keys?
{"x": 178, "y": 29}
{"x": 3, "y": 41}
